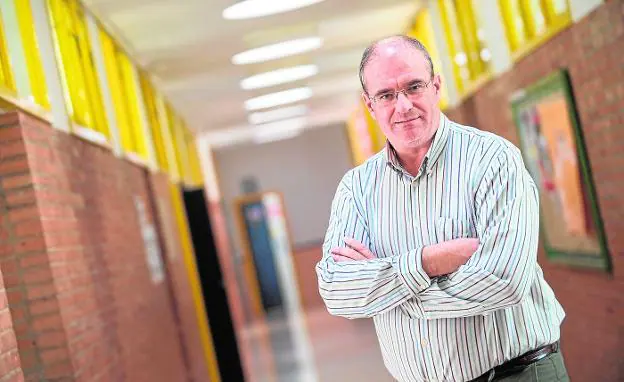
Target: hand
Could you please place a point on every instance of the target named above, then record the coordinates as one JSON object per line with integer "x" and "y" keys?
{"x": 446, "y": 257}
{"x": 352, "y": 252}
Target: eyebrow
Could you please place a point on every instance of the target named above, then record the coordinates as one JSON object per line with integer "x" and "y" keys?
{"x": 409, "y": 83}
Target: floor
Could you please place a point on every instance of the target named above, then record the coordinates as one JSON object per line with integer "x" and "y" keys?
{"x": 315, "y": 346}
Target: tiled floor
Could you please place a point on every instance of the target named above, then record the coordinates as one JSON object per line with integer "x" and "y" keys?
{"x": 316, "y": 347}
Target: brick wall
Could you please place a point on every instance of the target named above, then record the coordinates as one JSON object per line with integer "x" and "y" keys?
{"x": 593, "y": 332}
{"x": 83, "y": 304}
{"x": 10, "y": 366}
{"x": 10, "y": 363}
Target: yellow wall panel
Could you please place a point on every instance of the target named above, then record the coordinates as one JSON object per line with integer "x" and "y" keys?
{"x": 6, "y": 76}
{"x": 151, "y": 106}
{"x": 78, "y": 72}
{"x": 31, "y": 51}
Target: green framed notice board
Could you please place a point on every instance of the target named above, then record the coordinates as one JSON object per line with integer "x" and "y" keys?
{"x": 554, "y": 152}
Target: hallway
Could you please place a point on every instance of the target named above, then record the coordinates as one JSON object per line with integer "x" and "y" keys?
{"x": 341, "y": 350}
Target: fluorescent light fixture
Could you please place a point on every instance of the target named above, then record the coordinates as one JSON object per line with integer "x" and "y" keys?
{"x": 280, "y": 98}
{"x": 278, "y": 50}
{"x": 279, "y": 76}
{"x": 276, "y": 131}
{"x": 277, "y": 114}
{"x": 248, "y": 9}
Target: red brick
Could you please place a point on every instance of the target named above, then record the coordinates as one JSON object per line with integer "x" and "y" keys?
{"x": 51, "y": 339}
{"x": 59, "y": 370}
{"x": 3, "y": 301}
{"x": 18, "y": 165}
{"x": 5, "y": 320}
{"x": 33, "y": 132}
{"x": 12, "y": 149}
{"x": 28, "y": 228}
{"x": 10, "y": 133}
{"x": 33, "y": 260}
{"x": 16, "y": 181}
{"x": 18, "y": 314}
{"x": 21, "y": 197}
{"x": 16, "y": 296}
{"x": 9, "y": 266}
{"x": 23, "y": 213}
{"x": 41, "y": 307}
{"x": 35, "y": 292}
{"x": 6, "y": 250}
{"x": 26, "y": 344}
{"x": 31, "y": 244}
{"x": 37, "y": 275}
{"x": 28, "y": 359}
{"x": 53, "y": 356}
{"x": 47, "y": 323}
{"x": 7, "y": 340}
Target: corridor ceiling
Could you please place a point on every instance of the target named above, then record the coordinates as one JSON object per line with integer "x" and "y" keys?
{"x": 188, "y": 46}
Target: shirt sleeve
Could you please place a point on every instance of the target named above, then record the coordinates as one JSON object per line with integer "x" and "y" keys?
{"x": 359, "y": 289}
{"x": 502, "y": 270}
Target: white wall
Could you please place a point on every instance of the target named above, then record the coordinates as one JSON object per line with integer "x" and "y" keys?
{"x": 305, "y": 169}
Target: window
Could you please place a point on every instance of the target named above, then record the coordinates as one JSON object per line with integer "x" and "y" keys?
{"x": 36, "y": 74}
{"x": 184, "y": 152}
{"x": 6, "y": 77}
{"x": 153, "y": 115}
{"x": 196, "y": 177}
{"x": 174, "y": 123}
{"x": 124, "y": 90}
{"x": 81, "y": 87}
{"x": 466, "y": 42}
{"x": 529, "y": 23}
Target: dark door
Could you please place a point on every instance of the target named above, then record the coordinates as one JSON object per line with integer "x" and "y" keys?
{"x": 213, "y": 287}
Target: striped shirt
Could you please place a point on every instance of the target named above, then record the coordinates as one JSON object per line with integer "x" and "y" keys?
{"x": 455, "y": 327}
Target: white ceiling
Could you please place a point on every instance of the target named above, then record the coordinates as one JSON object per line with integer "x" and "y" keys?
{"x": 188, "y": 46}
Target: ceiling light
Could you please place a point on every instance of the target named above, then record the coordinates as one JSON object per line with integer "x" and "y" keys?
{"x": 279, "y": 98}
{"x": 248, "y": 9}
{"x": 279, "y": 76}
{"x": 276, "y": 131}
{"x": 278, "y": 50}
{"x": 277, "y": 114}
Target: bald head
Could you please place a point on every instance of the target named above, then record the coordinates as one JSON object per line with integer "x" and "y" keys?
{"x": 389, "y": 43}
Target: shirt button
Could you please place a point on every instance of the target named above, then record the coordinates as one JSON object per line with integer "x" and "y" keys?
{"x": 424, "y": 342}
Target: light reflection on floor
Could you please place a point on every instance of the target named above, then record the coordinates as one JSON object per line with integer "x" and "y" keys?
{"x": 332, "y": 349}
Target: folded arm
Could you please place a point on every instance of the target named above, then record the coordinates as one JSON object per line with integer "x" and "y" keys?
{"x": 502, "y": 270}
{"x": 357, "y": 289}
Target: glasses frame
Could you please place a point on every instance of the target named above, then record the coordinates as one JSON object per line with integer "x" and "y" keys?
{"x": 375, "y": 98}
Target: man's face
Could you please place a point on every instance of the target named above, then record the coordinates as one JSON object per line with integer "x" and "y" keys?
{"x": 411, "y": 121}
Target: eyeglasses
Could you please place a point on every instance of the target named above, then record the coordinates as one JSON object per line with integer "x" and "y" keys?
{"x": 390, "y": 97}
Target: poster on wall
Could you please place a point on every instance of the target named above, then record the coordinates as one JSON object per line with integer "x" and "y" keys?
{"x": 153, "y": 254}
{"x": 554, "y": 153}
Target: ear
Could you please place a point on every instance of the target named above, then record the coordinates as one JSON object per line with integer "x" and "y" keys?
{"x": 437, "y": 85}
{"x": 369, "y": 104}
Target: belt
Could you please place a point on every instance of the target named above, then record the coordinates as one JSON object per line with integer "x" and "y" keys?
{"x": 518, "y": 364}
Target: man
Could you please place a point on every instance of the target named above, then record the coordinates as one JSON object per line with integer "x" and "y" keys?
{"x": 436, "y": 239}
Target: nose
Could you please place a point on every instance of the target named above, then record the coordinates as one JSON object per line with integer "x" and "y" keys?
{"x": 403, "y": 104}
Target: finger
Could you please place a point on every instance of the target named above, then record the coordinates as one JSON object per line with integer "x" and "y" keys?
{"x": 339, "y": 258}
{"x": 349, "y": 252}
{"x": 361, "y": 248}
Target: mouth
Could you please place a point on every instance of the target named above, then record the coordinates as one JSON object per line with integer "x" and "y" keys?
{"x": 406, "y": 121}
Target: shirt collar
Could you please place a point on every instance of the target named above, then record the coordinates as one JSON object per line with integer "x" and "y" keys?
{"x": 433, "y": 154}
